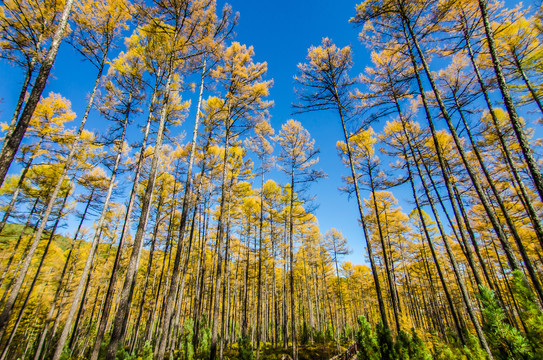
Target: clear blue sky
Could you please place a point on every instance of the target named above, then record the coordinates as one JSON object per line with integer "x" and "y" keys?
{"x": 280, "y": 31}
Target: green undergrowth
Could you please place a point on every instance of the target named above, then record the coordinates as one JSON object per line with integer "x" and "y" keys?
{"x": 305, "y": 352}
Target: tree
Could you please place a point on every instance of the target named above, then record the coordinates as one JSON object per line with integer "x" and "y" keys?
{"x": 46, "y": 126}
{"x": 215, "y": 32}
{"x": 260, "y": 145}
{"x": 336, "y": 244}
{"x": 172, "y": 108}
{"x": 296, "y": 159}
{"x": 14, "y": 138}
{"x": 237, "y": 112}
{"x": 124, "y": 88}
{"x": 326, "y": 86}
{"x": 26, "y": 28}
{"x": 516, "y": 124}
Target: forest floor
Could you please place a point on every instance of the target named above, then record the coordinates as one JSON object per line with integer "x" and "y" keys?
{"x": 305, "y": 352}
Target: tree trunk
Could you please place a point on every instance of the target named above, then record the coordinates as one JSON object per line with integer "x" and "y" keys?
{"x": 291, "y": 261}
{"x": 182, "y": 227}
{"x": 127, "y": 292}
{"x": 475, "y": 181}
{"x": 12, "y": 142}
{"x": 52, "y": 309}
{"x": 220, "y": 236}
{"x": 509, "y": 105}
{"x": 124, "y": 233}
{"x": 528, "y": 204}
{"x": 474, "y": 319}
{"x": 226, "y": 280}
{"x": 374, "y": 272}
{"x": 391, "y": 283}
{"x": 259, "y": 281}
{"x": 147, "y": 273}
{"x": 34, "y": 280}
{"x": 94, "y": 244}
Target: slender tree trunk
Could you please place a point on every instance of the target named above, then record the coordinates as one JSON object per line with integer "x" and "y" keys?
{"x": 259, "y": 284}
{"x": 471, "y": 233}
{"x": 94, "y": 245}
{"x": 147, "y": 273}
{"x": 274, "y": 281}
{"x": 4, "y": 317}
{"x": 538, "y": 227}
{"x": 533, "y": 166}
{"x": 226, "y": 279}
{"x": 58, "y": 292}
{"x": 12, "y": 142}
{"x": 291, "y": 265}
{"x": 174, "y": 327}
{"x": 492, "y": 216}
{"x": 127, "y": 292}
{"x": 220, "y": 236}
{"x": 284, "y": 299}
{"x": 201, "y": 273}
{"x": 309, "y": 299}
{"x": 424, "y": 225}
{"x": 80, "y": 312}
{"x": 182, "y": 227}
{"x": 475, "y": 181}
{"x": 354, "y": 175}
{"x": 62, "y": 297}
{"x": 463, "y": 290}
{"x": 244, "y": 320}
{"x": 34, "y": 280}
{"x": 341, "y": 302}
{"x": 103, "y": 319}
{"x": 391, "y": 283}
{"x": 87, "y": 284}
{"x": 151, "y": 319}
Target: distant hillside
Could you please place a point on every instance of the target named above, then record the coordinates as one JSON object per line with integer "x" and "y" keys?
{"x": 11, "y": 233}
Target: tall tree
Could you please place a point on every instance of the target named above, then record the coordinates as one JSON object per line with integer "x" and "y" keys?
{"x": 214, "y": 33}
{"x": 262, "y": 147}
{"x": 514, "y": 118}
{"x": 124, "y": 93}
{"x": 46, "y": 126}
{"x": 237, "y": 112}
{"x": 336, "y": 245}
{"x": 296, "y": 159}
{"x": 13, "y": 139}
{"x": 173, "y": 46}
{"x": 327, "y": 86}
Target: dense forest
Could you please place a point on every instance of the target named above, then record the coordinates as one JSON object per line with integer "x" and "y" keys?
{"x": 185, "y": 227}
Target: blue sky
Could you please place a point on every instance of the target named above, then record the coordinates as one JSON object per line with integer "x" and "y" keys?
{"x": 297, "y": 25}
{"x": 281, "y": 32}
